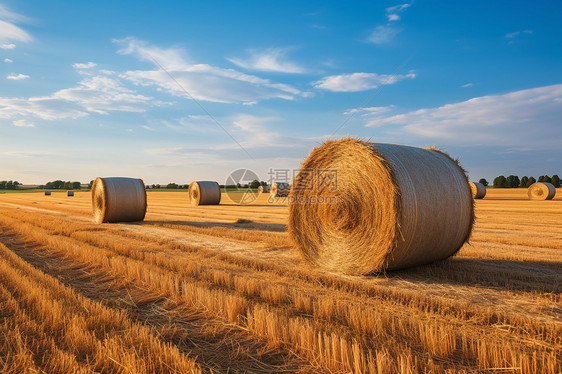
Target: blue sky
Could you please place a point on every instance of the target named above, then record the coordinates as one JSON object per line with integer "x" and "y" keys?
{"x": 102, "y": 88}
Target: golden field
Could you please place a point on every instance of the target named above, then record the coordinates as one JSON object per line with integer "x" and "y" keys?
{"x": 220, "y": 289}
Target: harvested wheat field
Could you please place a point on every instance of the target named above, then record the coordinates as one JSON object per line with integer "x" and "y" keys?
{"x": 219, "y": 289}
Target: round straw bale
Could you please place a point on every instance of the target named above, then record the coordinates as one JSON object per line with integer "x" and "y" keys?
{"x": 541, "y": 191}
{"x": 263, "y": 189}
{"x": 280, "y": 189}
{"x": 118, "y": 199}
{"x": 204, "y": 193}
{"x": 47, "y": 193}
{"x": 360, "y": 208}
{"x": 478, "y": 190}
{"x": 69, "y": 193}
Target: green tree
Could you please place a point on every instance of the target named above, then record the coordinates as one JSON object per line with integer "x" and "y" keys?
{"x": 513, "y": 181}
{"x": 500, "y": 182}
{"x": 255, "y": 183}
{"x": 555, "y": 180}
{"x": 483, "y": 181}
{"x": 3, "y": 185}
{"x": 10, "y": 185}
{"x": 530, "y": 181}
{"x": 75, "y": 185}
{"x": 90, "y": 184}
{"x": 172, "y": 185}
{"x": 524, "y": 180}
{"x": 67, "y": 185}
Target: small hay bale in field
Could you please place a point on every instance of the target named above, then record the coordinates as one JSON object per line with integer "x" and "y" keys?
{"x": 541, "y": 191}
{"x": 360, "y": 208}
{"x": 263, "y": 189}
{"x": 280, "y": 189}
{"x": 47, "y": 193}
{"x": 118, "y": 199}
{"x": 204, "y": 193}
{"x": 478, "y": 190}
{"x": 69, "y": 193}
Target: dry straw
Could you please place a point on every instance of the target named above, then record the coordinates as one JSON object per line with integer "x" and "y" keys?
{"x": 263, "y": 189}
{"x": 118, "y": 199}
{"x": 541, "y": 191}
{"x": 389, "y": 207}
{"x": 478, "y": 190}
{"x": 280, "y": 189}
{"x": 69, "y": 193}
{"x": 204, "y": 193}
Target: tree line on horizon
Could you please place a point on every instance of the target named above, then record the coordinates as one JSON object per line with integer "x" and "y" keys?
{"x": 513, "y": 181}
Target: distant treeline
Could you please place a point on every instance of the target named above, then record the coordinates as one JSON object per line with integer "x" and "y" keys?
{"x": 9, "y": 185}
{"x": 513, "y": 181}
{"x": 253, "y": 184}
{"x": 61, "y": 185}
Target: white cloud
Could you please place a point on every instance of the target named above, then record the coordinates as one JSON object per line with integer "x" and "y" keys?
{"x": 202, "y": 81}
{"x": 383, "y": 34}
{"x": 88, "y": 65}
{"x": 393, "y": 17}
{"x": 17, "y": 77}
{"x": 272, "y": 59}
{"x": 398, "y": 8}
{"x": 369, "y": 111}
{"x": 9, "y": 32}
{"x": 512, "y": 35}
{"x": 98, "y": 94}
{"x": 23, "y": 123}
{"x": 529, "y": 118}
{"x": 359, "y": 81}
{"x": 467, "y": 85}
{"x": 8, "y": 60}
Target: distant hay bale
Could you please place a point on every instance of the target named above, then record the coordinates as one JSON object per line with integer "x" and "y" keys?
{"x": 478, "y": 190}
{"x": 541, "y": 191}
{"x": 47, "y": 193}
{"x": 360, "y": 208}
{"x": 69, "y": 193}
{"x": 204, "y": 193}
{"x": 118, "y": 199}
{"x": 263, "y": 189}
{"x": 280, "y": 189}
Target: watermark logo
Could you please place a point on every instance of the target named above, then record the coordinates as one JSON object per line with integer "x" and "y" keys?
{"x": 239, "y": 186}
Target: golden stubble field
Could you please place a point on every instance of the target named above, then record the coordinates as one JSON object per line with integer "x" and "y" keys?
{"x": 219, "y": 289}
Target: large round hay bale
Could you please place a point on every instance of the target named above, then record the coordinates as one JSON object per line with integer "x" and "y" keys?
{"x": 478, "y": 190}
{"x": 47, "y": 193}
{"x": 204, "y": 193}
{"x": 69, "y": 193}
{"x": 280, "y": 189}
{"x": 541, "y": 191}
{"x": 118, "y": 199}
{"x": 360, "y": 207}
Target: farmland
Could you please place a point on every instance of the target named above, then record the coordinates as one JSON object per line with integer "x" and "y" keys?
{"x": 220, "y": 289}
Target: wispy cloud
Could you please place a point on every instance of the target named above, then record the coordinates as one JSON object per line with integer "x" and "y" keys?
{"x": 392, "y": 12}
{"x": 87, "y": 65}
{"x": 17, "y": 77}
{"x": 8, "y": 60}
{"x": 527, "y": 118}
{"x": 467, "y": 85}
{"x": 9, "y": 32}
{"x": 98, "y": 94}
{"x": 23, "y": 123}
{"x": 512, "y": 35}
{"x": 359, "y": 81}
{"x": 271, "y": 59}
{"x": 202, "y": 81}
{"x": 383, "y": 34}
